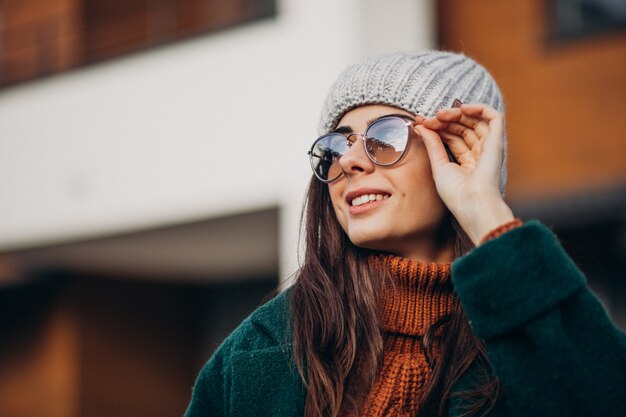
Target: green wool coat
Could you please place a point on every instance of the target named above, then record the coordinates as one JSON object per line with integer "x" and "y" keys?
{"x": 552, "y": 346}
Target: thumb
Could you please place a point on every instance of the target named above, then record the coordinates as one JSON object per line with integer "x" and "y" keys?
{"x": 434, "y": 147}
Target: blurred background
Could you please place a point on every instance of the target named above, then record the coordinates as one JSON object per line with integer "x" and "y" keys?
{"x": 153, "y": 165}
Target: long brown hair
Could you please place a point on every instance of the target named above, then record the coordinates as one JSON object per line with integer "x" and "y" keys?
{"x": 338, "y": 344}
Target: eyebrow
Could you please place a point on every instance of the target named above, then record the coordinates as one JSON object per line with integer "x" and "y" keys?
{"x": 348, "y": 129}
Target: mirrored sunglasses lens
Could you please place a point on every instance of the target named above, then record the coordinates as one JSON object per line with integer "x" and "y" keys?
{"x": 387, "y": 140}
{"x": 325, "y": 156}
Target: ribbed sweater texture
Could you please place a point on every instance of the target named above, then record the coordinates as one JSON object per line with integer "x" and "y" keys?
{"x": 418, "y": 296}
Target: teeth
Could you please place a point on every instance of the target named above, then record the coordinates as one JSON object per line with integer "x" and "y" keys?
{"x": 367, "y": 198}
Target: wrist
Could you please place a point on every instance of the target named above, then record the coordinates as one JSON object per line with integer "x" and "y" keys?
{"x": 503, "y": 228}
{"x": 481, "y": 216}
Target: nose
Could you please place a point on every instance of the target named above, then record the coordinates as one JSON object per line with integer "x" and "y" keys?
{"x": 356, "y": 161}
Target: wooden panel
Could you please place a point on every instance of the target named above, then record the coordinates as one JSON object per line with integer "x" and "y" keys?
{"x": 564, "y": 102}
{"x": 134, "y": 344}
{"x": 40, "y": 37}
{"x": 78, "y": 345}
{"x": 38, "y": 357}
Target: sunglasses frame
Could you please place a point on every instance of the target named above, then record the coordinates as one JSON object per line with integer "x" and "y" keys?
{"x": 364, "y": 138}
{"x": 457, "y": 103}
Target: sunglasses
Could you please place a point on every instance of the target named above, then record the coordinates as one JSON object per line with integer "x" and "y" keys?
{"x": 385, "y": 143}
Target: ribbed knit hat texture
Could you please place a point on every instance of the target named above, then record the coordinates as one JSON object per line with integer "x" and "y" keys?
{"x": 420, "y": 83}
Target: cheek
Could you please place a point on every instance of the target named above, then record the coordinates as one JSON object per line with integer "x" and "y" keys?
{"x": 417, "y": 184}
{"x": 335, "y": 190}
{"x": 415, "y": 173}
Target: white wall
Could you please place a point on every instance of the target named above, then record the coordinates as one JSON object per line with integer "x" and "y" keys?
{"x": 202, "y": 128}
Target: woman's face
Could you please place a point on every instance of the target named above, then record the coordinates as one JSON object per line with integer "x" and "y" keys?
{"x": 407, "y": 221}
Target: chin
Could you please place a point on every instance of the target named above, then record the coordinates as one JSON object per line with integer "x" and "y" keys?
{"x": 370, "y": 240}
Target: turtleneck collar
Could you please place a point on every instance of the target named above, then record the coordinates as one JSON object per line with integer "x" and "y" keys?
{"x": 419, "y": 294}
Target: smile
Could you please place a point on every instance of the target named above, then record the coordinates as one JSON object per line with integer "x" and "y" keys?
{"x": 366, "y": 198}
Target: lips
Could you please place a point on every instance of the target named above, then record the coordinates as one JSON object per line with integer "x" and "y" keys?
{"x": 365, "y": 199}
{"x": 363, "y": 195}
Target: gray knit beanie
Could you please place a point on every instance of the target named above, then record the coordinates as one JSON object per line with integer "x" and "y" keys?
{"x": 420, "y": 83}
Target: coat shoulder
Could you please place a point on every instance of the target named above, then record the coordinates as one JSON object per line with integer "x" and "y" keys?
{"x": 264, "y": 380}
{"x": 252, "y": 373}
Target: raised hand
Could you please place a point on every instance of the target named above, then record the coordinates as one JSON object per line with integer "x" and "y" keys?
{"x": 474, "y": 133}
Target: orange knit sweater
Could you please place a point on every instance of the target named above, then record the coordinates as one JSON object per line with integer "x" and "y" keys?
{"x": 423, "y": 294}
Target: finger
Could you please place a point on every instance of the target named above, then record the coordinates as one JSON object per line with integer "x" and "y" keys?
{"x": 494, "y": 118}
{"x": 433, "y": 123}
{"x": 462, "y": 154}
{"x": 481, "y": 111}
{"x": 456, "y": 115}
{"x": 468, "y": 135}
{"x": 455, "y": 143}
{"x": 493, "y": 146}
{"x": 434, "y": 147}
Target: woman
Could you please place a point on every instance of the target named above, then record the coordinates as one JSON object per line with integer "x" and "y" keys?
{"x": 420, "y": 292}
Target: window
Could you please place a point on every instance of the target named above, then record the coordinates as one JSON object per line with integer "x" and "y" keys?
{"x": 571, "y": 19}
